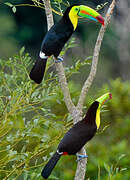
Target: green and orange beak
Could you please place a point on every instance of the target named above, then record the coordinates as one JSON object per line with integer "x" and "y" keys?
{"x": 104, "y": 98}
{"x": 89, "y": 13}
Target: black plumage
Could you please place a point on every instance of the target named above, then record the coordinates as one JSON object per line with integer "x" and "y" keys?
{"x": 50, "y": 165}
{"x": 52, "y": 44}
{"x": 38, "y": 70}
{"x": 75, "y": 138}
{"x": 59, "y": 34}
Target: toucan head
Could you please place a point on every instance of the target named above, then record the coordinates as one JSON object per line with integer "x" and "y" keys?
{"x": 101, "y": 100}
{"x": 104, "y": 98}
{"x": 82, "y": 11}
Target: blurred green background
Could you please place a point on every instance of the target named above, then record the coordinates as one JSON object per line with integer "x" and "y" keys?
{"x": 33, "y": 118}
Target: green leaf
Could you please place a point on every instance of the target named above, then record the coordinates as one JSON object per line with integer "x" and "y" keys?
{"x": 22, "y": 51}
{"x": 105, "y": 127}
{"x": 107, "y": 167}
{"x": 9, "y": 4}
{"x": 123, "y": 169}
{"x": 53, "y": 177}
{"x": 121, "y": 156}
{"x": 14, "y": 9}
{"x": 77, "y": 65}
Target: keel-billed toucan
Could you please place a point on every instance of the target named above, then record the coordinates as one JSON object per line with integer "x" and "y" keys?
{"x": 58, "y": 35}
{"x": 78, "y": 135}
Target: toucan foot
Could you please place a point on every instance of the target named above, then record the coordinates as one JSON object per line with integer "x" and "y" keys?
{"x": 81, "y": 156}
{"x": 59, "y": 59}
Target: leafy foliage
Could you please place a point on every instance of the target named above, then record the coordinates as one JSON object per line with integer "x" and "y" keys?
{"x": 34, "y": 118}
{"x": 25, "y": 110}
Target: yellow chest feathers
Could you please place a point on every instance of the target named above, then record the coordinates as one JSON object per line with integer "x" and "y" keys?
{"x": 73, "y": 18}
{"x": 98, "y": 118}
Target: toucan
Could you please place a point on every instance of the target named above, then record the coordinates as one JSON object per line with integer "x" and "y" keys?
{"x": 78, "y": 135}
{"x": 58, "y": 35}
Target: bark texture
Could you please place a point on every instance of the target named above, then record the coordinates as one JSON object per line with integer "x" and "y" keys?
{"x": 59, "y": 66}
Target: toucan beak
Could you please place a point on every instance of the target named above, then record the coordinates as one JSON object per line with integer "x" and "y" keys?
{"x": 89, "y": 13}
{"x": 104, "y": 98}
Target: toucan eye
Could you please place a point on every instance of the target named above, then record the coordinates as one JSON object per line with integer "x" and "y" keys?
{"x": 76, "y": 9}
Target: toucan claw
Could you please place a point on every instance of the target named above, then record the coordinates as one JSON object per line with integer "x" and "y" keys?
{"x": 59, "y": 59}
{"x": 81, "y": 156}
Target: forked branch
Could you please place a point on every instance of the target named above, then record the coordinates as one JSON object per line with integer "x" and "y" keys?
{"x": 95, "y": 58}
{"x": 77, "y": 111}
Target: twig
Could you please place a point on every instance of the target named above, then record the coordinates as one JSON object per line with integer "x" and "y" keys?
{"x": 93, "y": 70}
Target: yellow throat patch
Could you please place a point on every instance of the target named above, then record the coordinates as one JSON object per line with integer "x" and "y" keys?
{"x": 98, "y": 118}
{"x": 73, "y": 18}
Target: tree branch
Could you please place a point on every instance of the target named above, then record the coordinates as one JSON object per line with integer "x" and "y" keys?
{"x": 81, "y": 166}
{"x": 76, "y": 112}
{"x": 49, "y": 15}
{"x": 93, "y": 70}
{"x": 59, "y": 66}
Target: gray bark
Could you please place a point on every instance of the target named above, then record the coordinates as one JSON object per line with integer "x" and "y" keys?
{"x": 59, "y": 66}
{"x": 95, "y": 58}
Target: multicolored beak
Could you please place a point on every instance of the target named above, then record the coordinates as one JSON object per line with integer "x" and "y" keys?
{"x": 89, "y": 13}
{"x": 104, "y": 98}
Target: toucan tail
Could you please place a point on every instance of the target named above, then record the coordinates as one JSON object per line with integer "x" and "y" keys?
{"x": 38, "y": 70}
{"x": 50, "y": 165}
